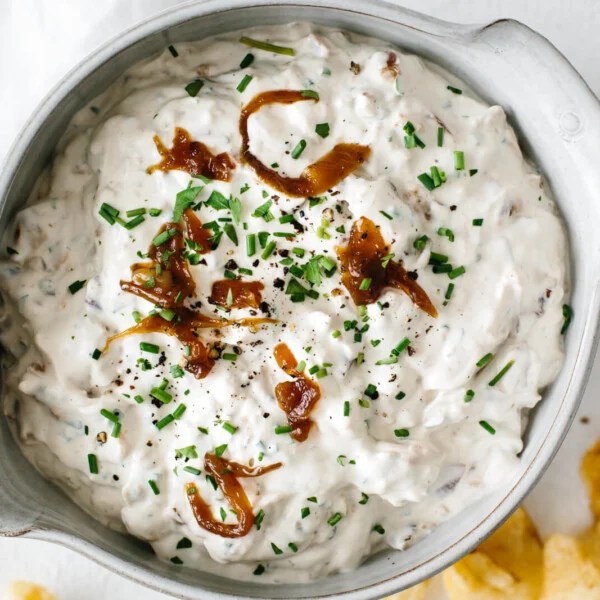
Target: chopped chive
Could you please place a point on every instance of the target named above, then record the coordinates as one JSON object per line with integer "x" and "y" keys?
{"x": 260, "y": 515}
{"x": 371, "y": 391}
{"x": 457, "y": 272}
{"x": 107, "y": 414}
{"x": 334, "y": 519}
{"x": 139, "y": 399}
{"x": 93, "y": 464}
{"x": 364, "y": 498}
{"x": 386, "y": 215}
{"x": 445, "y": 232}
{"x": 310, "y": 94}
{"x": 293, "y": 547}
{"x": 484, "y": 360}
{"x": 281, "y": 429}
{"x": 336, "y": 333}
{"x": 223, "y": 513}
{"x": 134, "y": 222}
{"x": 161, "y": 395}
{"x": 153, "y": 487}
{"x": 154, "y": 212}
{"x": 251, "y": 244}
{"x": 116, "y": 430}
{"x": 459, "y": 160}
{"x": 301, "y": 366}
{"x": 286, "y": 219}
{"x": 444, "y": 268}
{"x": 567, "y": 313}
{"x": 108, "y": 212}
{"x": 405, "y": 343}
{"x": 148, "y": 347}
{"x": 312, "y": 499}
{"x": 244, "y": 271}
{"x": 449, "y": 291}
{"x": 400, "y": 396}
{"x": 229, "y": 356}
{"x": 477, "y": 222}
{"x": 322, "y": 129}
{"x": 260, "y": 45}
{"x": 192, "y": 470}
{"x": 163, "y": 237}
{"x": 167, "y": 314}
{"x": 378, "y": 529}
{"x": 136, "y": 212}
{"x": 420, "y": 242}
{"x": 247, "y": 60}
{"x": 436, "y": 176}
{"x": 178, "y": 412}
{"x": 469, "y": 395}
{"x": 276, "y": 549}
{"x": 473, "y": 172}
{"x": 96, "y": 354}
{"x": 304, "y": 512}
{"x": 173, "y": 51}
{"x": 260, "y": 569}
{"x": 401, "y": 433}
{"x": 76, "y": 286}
{"x": 487, "y": 427}
{"x": 227, "y": 426}
{"x": 501, "y": 373}
{"x": 365, "y": 284}
{"x": 203, "y": 430}
{"x": 212, "y": 481}
{"x": 346, "y": 408}
{"x": 164, "y": 422}
{"x": 454, "y": 90}
{"x": 270, "y": 247}
{"x": 440, "y": 136}
{"x": 426, "y": 180}
{"x": 194, "y": 87}
{"x": 176, "y": 560}
{"x": 299, "y": 149}
{"x": 437, "y": 259}
{"x": 392, "y": 360}
{"x": 243, "y": 84}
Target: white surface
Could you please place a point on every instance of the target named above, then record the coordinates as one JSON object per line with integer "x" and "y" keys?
{"x": 41, "y": 39}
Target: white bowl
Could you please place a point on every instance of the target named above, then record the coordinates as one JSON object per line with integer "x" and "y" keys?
{"x": 558, "y": 121}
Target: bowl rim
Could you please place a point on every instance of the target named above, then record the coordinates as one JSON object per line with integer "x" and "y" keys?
{"x": 396, "y": 16}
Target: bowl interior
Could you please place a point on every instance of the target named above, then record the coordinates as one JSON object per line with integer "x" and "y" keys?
{"x": 506, "y": 64}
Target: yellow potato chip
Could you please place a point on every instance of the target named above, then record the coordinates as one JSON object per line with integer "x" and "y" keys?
{"x": 24, "y": 590}
{"x": 568, "y": 573}
{"x": 507, "y": 566}
{"x": 416, "y": 592}
{"x": 590, "y": 472}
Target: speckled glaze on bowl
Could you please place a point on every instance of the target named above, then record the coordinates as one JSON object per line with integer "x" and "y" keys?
{"x": 558, "y": 120}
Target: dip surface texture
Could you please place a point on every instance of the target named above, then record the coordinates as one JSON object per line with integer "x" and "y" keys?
{"x": 386, "y": 418}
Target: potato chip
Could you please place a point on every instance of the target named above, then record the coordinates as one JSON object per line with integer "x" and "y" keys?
{"x": 590, "y": 472}
{"x": 507, "y": 566}
{"x": 568, "y": 573}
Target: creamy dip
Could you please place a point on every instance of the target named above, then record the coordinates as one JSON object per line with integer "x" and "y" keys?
{"x": 417, "y": 415}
